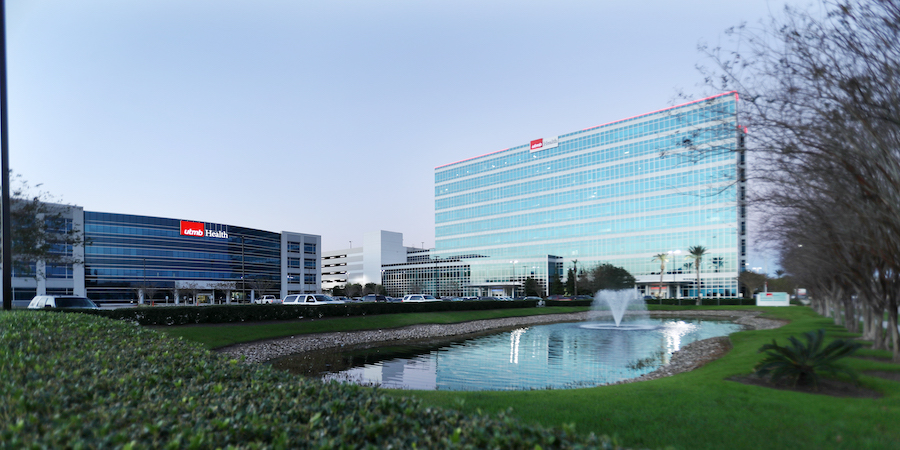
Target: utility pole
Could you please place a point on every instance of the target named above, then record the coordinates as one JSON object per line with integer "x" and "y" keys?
{"x": 575, "y": 283}
{"x": 5, "y": 214}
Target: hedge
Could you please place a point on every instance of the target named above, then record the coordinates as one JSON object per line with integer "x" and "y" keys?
{"x": 666, "y": 301}
{"x": 81, "y": 381}
{"x": 706, "y": 301}
{"x": 183, "y": 315}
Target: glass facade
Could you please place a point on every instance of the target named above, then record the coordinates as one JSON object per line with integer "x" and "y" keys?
{"x": 125, "y": 252}
{"x": 618, "y": 193}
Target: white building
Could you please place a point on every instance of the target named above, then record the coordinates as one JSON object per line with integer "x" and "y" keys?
{"x": 364, "y": 264}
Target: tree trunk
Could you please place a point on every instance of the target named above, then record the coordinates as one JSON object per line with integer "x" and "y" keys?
{"x": 699, "y": 302}
{"x": 877, "y": 328}
{"x": 851, "y": 321}
{"x": 867, "y": 330}
{"x": 892, "y": 323}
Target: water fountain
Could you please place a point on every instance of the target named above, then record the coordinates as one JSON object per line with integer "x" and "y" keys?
{"x": 617, "y": 304}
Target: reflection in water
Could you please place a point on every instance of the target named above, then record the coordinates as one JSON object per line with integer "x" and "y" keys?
{"x": 558, "y": 356}
{"x": 514, "y": 339}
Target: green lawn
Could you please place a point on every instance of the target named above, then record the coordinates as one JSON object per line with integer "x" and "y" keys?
{"x": 214, "y": 336}
{"x": 699, "y": 409}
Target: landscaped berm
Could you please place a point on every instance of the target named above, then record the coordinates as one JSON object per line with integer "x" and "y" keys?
{"x": 76, "y": 380}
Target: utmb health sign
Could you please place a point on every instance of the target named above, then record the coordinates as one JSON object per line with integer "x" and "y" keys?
{"x": 199, "y": 229}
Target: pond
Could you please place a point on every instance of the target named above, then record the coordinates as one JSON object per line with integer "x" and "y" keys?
{"x": 555, "y": 356}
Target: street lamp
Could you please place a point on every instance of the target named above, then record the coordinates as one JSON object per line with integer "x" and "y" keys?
{"x": 512, "y": 279}
{"x": 672, "y": 254}
{"x": 575, "y": 280}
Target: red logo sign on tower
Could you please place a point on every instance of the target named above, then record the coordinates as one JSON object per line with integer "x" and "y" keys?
{"x": 192, "y": 228}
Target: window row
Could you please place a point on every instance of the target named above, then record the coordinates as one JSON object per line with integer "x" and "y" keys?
{"x": 591, "y": 230}
{"x": 692, "y": 183}
{"x": 714, "y": 113}
{"x": 646, "y": 155}
{"x": 608, "y": 213}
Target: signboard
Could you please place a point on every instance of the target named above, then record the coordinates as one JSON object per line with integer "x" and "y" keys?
{"x": 192, "y": 228}
{"x": 773, "y": 299}
{"x": 544, "y": 143}
{"x": 199, "y": 229}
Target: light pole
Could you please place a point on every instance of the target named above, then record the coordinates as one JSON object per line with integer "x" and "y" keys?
{"x": 575, "y": 281}
{"x": 144, "y": 287}
{"x": 512, "y": 279}
{"x": 672, "y": 254}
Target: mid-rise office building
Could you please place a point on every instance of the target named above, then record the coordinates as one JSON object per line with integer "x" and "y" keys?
{"x": 142, "y": 258}
{"x": 618, "y": 193}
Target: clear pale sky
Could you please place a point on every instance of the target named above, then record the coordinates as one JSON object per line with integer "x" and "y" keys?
{"x": 325, "y": 117}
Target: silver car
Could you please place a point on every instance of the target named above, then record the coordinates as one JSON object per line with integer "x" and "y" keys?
{"x": 310, "y": 299}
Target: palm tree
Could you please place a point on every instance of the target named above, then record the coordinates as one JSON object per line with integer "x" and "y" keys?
{"x": 662, "y": 258}
{"x": 696, "y": 253}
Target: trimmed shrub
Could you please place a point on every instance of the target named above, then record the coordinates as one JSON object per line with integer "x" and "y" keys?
{"x": 692, "y": 301}
{"x": 569, "y": 302}
{"x": 79, "y": 381}
{"x": 802, "y": 364}
{"x": 184, "y": 315}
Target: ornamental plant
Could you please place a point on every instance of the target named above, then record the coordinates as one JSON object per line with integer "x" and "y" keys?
{"x": 801, "y": 363}
{"x": 70, "y": 380}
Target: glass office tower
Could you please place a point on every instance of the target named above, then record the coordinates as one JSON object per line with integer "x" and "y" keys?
{"x": 128, "y": 255}
{"x": 618, "y": 193}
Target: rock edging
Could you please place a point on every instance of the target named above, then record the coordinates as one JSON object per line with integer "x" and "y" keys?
{"x": 690, "y": 357}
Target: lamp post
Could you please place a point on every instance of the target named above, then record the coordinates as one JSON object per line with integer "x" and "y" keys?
{"x": 144, "y": 287}
{"x": 672, "y": 254}
{"x": 575, "y": 281}
{"x": 512, "y": 279}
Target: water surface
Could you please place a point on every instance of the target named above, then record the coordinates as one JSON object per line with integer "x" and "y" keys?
{"x": 555, "y": 356}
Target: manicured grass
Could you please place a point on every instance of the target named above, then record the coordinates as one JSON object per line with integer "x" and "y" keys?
{"x": 79, "y": 381}
{"x": 700, "y": 409}
{"x": 214, "y": 336}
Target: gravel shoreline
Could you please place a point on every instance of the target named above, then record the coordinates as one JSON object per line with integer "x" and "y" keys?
{"x": 688, "y": 358}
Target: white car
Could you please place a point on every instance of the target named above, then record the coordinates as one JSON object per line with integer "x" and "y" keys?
{"x": 310, "y": 299}
{"x": 61, "y": 301}
{"x": 267, "y": 300}
{"x": 418, "y": 298}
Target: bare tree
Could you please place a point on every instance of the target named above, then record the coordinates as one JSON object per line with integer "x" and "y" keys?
{"x": 820, "y": 91}
{"x": 145, "y": 292}
{"x": 228, "y": 287}
{"x": 261, "y": 284}
{"x": 752, "y": 281}
{"x": 192, "y": 288}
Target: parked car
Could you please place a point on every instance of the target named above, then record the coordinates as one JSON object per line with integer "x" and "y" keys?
{"x": 419, "y": 298}
{"x": 310, "y": 299}
{"x": 538, "y": 299}
{"x": 374, "y": 298}
{"x": 267, "y": 300}
{"x": 61, "y": 301}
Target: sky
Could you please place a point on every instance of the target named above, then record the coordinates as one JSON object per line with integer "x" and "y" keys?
{"x": 325, "y": 117}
